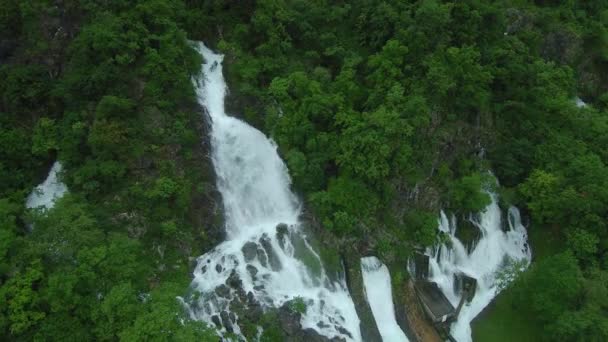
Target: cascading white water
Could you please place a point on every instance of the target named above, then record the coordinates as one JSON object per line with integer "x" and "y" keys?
{"x": 271, "y": 264}
{"x": 45, "y": 194}
{"x": 489, "y": 255}
{"x": 378, "y": 292}
{"x": 579, "y": 102}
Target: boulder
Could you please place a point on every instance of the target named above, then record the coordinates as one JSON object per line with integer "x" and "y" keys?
{"x": 223, "y": 291}
{"x": 252, "y": 271}
{"x": 226, "y": 321}
{"x": 234, "y": 281}
{"x": 249, "y": 251}
{"x": 262, "y": 258}
{"x": 273, "y": 259}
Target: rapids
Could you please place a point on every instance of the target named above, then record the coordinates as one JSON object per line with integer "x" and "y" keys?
{"x": 487, "y": 257}
{"x": 377, "y": 282}
{"x": 266, "y": 254}
{"x": 45, "y": 194}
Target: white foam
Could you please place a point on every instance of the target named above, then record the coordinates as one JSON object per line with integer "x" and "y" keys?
{"x": 255, "y": 188}
{"x": 487, "y": 257}
{"x": 378, "y": 291}
{"x": 579, "y": 102}
{"x": 45, "y": 194}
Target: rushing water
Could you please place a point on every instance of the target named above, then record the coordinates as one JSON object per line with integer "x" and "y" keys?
{"x": 272, "y": 265}
{"x": 579, "y": 102}
{"x": 488, "y": 256}
{"x": 377, "y": 282}
{"x": 45, "y": 194}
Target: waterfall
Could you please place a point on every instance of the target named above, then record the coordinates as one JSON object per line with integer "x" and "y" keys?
{"x": 45, "y": 194}
{"x": 377, "y": 282}
{"x": 488, "y": 256}
{"x": 579, "y": 102}
{"x": 266, "y": 259}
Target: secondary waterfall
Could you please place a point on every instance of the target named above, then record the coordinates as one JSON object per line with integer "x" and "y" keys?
{"x": 266, "y": 255}
{"x": 377, "y": 282}
{"x": 487, "y": 257}
{"x": 45, "y": 194}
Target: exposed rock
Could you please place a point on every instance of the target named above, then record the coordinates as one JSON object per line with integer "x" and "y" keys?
{"x": 343, "y": 331}
{"x": 273, "y": 259}
{"x": 223, "y": 291}
{"x": 252, "y": 271}
{"x": 290, "y": 320}
{"x": 216, "y": 320}
{"x": 249, "y": 251}
{"x": 322, "y": 325}
{"x": 467, "y": 233}
{"x": 282, "y": 231}
{"x": 234, "y": 281}
{"x": 262, "y": 257}
{"x": 226, "y": 321}
{"x": 218, "y": 268}
{"x": 309, "y": 334}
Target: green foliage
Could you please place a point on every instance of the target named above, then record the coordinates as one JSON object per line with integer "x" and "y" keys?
{"x": 297, "y": 305}
{"x": 159, "y": 322}
{"x": 470, "y": 193}
{"x": 552, "y": 286}
{"x": 104, "y": 87}
{"x": 379, "y": 109}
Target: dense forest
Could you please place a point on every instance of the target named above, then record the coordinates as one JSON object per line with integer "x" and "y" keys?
{"x": 384, "y": 111}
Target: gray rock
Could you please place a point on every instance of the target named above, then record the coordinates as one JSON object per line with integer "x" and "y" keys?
{"x": 262, "y": 257}
{"x": 282, "y": 231}
{"x": 249, "y": 251}
{"x": 223, "y": 291}
{"x": 343, "y": 331}
{"x": 252, "y": 271}
{"x": 289, "y": 320}
{"x": 234, "y": 281}
{"x": 226, "y": 321}
{"x": 273, "y": 259}
{"x": 216, "y": 320}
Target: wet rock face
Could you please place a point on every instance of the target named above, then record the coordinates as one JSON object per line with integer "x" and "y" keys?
{"x": 226, "y": 322}
{"x": 282, "y": 234}
{"x": 468, "y": 233}
{"x": 289, "y": 322}
{"x": 249, "y": 251}
{"x": 252, "y": 271}
{"x": 223, "y": 291}
{"x": 273, "y": 259}
{"x": 261, "y": 254}
{"x": 216, "y": 320}
{"x": 234, "y": 281}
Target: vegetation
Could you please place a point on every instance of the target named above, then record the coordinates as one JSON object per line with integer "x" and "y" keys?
{"x": 383, "y": 111}
{"x": 386, "y": 111}
{"x": 105, "y": 88}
